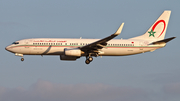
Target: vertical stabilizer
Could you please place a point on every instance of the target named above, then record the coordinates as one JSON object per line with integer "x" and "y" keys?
{"x": 158, "y": 30}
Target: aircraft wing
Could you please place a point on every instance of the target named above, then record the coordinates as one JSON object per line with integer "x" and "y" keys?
{"x": 102, "y": 42}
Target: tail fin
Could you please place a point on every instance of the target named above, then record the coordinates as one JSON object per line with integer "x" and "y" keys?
{"x": 158, "y": 30}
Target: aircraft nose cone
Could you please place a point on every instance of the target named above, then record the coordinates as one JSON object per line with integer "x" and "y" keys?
{"x": 6, "y": 49}
{"x": 9, "y": 48}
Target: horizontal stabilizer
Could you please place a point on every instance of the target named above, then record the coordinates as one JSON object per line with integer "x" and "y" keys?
{"x": 163, "y": 41}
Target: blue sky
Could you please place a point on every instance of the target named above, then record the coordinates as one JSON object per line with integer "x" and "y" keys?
{"x": 151, "y": 76}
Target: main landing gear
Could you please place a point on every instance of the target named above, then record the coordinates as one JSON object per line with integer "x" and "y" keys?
{"x": 88, "y": 59}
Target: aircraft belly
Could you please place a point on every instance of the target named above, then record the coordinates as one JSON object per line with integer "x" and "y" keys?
{"x": 123, "y": 51}
{"x": 115, "y": 52}
{"x": 60, "y": 51}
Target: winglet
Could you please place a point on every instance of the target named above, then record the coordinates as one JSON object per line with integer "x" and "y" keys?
{"x": 119, "y": 29}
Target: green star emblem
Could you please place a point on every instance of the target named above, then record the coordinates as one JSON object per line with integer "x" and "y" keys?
{"x": 151, "y": 33}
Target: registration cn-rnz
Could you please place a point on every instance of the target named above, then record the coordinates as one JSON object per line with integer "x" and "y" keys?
{"x": 72, "y": 49}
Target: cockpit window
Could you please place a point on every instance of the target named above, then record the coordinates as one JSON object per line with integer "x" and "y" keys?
{"x": 15, "y": 43}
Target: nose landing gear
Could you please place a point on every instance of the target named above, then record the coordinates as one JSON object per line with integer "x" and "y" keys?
{"x": 22, "y": 59}
{"x": 18, "y": 54}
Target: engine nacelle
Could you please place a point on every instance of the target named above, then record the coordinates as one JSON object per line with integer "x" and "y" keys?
{"x": 72, "y": 52}
{"x": 70, "y": 58}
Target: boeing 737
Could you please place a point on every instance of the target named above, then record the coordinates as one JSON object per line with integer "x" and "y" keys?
{"x": 72, "y": 49}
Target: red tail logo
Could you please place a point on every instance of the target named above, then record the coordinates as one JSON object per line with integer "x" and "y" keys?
{"x": 157, "y": 24}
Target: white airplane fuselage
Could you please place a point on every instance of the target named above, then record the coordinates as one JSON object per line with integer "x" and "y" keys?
{"x": 55, "y": 46}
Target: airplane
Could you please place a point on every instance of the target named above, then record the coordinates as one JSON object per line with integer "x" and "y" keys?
{"x": 72, "y": 49}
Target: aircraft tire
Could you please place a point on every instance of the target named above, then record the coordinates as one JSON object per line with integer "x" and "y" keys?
{"x": 90, "y": 59}
{"x": 22, "y": 59}
{"x": 87, "y": 61}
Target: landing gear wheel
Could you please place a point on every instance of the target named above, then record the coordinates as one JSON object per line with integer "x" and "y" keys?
{"x": 22, "y": 59}
{"x": 87, "y": 61}
{"x": 90, "y": 59}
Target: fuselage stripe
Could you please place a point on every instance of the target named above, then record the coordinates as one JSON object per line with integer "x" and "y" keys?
{"x": 81, "y": 46}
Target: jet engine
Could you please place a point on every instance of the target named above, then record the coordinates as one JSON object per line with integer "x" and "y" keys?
{"x": 72, "y": 52}
{"x": 70, "y": 58}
